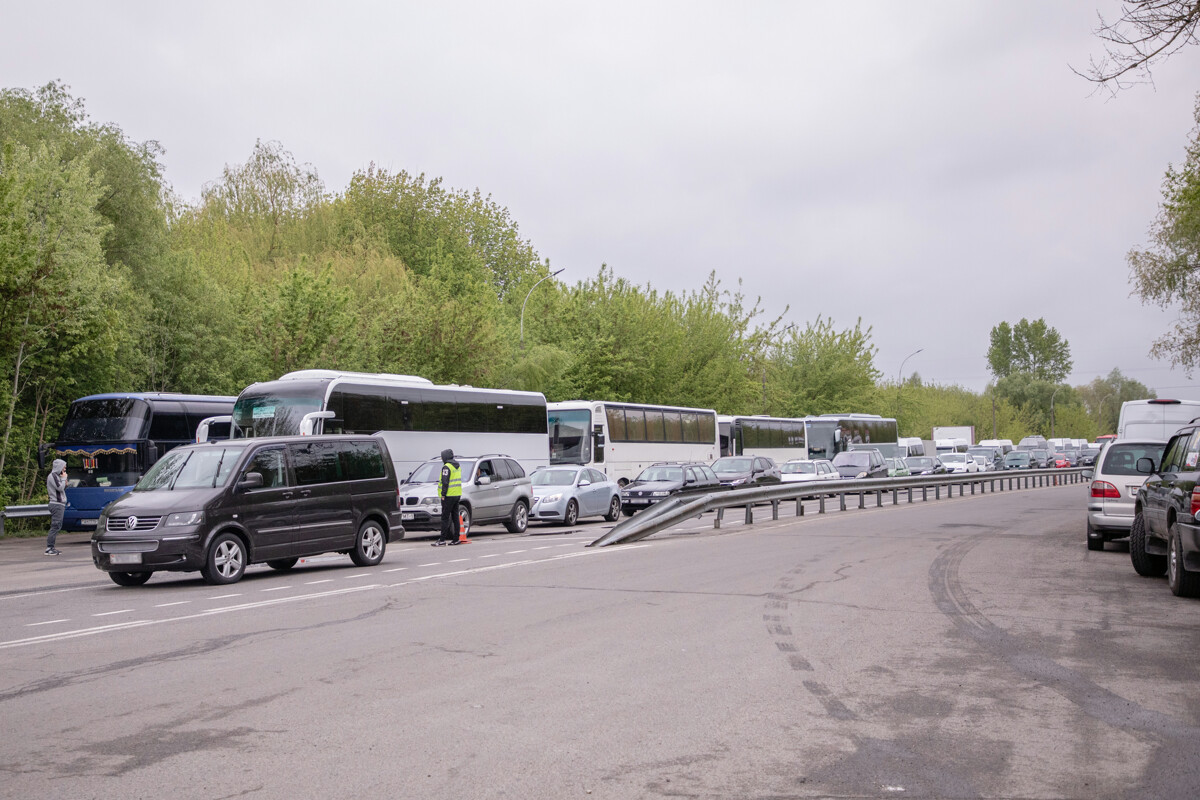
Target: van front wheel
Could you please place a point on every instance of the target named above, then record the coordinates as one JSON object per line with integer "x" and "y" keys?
{"x": 226, "y": 562}
{"x": 370, "y": 545}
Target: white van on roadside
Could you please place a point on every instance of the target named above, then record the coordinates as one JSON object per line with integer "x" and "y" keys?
{"x": 1155, "y": 418}
{"x": 1005, "y": 445}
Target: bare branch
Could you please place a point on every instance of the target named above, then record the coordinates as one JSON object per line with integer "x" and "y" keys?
{"x": 1147, "y": 32}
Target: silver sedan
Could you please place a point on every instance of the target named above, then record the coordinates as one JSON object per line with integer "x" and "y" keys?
{"x": 564, "y": 494}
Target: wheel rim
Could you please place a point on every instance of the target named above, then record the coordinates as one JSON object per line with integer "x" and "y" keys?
{"x": 1173, "y": 562}
{"x": 522, "y": 516}
{"x": 372, "y": 542}
{"x": 614, "y": 508}
{"x": 228, "y": 559}
{"x": 572, "y": 513}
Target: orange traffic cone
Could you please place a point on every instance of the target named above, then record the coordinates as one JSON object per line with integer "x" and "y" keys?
{"x": 462, "y": 530}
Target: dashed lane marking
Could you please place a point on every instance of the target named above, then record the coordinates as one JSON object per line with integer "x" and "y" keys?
{"x": 47, "y": 622}
{"x": 226, "y": 596}
{"x": 396, "y": 569}
{"x": 110, "y": 613}
{"x": 312, "y": 583}
{"x": 276, "y": 588}
{"x": 176, "y": 603}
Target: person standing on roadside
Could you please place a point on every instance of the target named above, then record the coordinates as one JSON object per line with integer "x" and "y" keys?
{"x": 450, "y": 490}
{"x": 56, "y": 488}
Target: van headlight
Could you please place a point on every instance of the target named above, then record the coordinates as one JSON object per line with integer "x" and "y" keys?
{"x": 182, "y": 518}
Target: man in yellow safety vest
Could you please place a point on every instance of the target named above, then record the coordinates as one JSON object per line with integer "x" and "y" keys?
{"x": 450, "y": 490}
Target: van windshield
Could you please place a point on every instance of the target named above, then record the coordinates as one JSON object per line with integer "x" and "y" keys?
{"x": 192, "y": 468}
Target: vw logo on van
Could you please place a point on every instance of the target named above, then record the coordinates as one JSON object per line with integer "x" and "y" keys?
{"x": 131, "y": 523}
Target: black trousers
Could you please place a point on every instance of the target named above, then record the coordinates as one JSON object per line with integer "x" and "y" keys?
{"x": 450, "y": 528}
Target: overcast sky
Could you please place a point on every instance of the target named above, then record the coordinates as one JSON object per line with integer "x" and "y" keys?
{"x": 934, "y": 168}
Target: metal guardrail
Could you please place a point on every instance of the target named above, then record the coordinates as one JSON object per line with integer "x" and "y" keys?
{"x": 18, "y": 512}
{"x": 680, "y": 507}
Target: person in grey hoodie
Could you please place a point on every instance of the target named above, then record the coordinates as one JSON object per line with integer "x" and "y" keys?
{"x": 56, "y": 488}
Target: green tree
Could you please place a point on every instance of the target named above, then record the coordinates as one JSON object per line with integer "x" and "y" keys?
{"x": 1165, "y": 274}
{"x": 825, "y": 370}
{"x": 1103, "y": 398}
{"x": 1031, "y": 348}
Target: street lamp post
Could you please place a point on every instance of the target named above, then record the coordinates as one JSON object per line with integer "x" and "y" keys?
{"x": 900, "y": 382}
{"x": 551, "y": 275}
{"x": 1100, "y": 409}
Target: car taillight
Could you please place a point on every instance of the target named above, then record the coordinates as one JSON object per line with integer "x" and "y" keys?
{"x": 1195, "y": 500}
{"x": 1107, "y": 490}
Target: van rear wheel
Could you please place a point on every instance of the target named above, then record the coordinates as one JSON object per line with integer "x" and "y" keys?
{"x": 369, "y": 545}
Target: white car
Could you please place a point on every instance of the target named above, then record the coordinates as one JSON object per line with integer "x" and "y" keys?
{"x": 958, "y": 462}
{"x": 817, "y": 469}
{"x": 984, "y": 462}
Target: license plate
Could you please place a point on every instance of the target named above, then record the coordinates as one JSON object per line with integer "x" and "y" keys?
{"x": 407, "y": 517}
{"x": 88, "y": 521}
{"x": 633, "y": 500}
{"x": 125, "y": 558}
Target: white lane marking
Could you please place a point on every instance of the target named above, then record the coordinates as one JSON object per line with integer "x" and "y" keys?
{"x": 311, "y": 583}
{"x": 396, "y": 569}
{"x": 492, "y": 555}
{"x": 544, "y": 547}
{"x": 224, "y": 596}
{"x": 431, "y": 564}
{"x": 276, "y": 589}
{"x": 568, "y": 544}
{"x": 51, "y": 591}
{"x": 110, "y": 613}
{"x": 176, "y": 603}
{"x": 47, "y": 622}
{"x": 475, "y": 570}
{"x": 457, "y": 560}
{"x": 359, "y": 575}
{"x": 119, "y": 626}
{"x": 513, "y": 552}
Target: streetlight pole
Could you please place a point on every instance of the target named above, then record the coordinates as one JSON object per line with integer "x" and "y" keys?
{"x": 1100, "y": 410}
{"x": 900, "y": 382}
{"x": 551, "y": 275}
{"x": 1052, "y": 411}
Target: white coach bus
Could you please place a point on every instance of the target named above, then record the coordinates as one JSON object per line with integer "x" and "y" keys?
{"x": 779, "y": 438}
{"x": 620, "y": 439}
{"x": 417, "y": 418}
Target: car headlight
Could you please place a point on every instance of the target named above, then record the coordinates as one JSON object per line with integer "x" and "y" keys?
{"x": 185, "y": 518}
{"x": 737, "y": 482}
{"x": 430, "y": 501}
{"x": 861, "y": 475}
{"x": 659, "y": 494}
{"x": 552, "y": 498}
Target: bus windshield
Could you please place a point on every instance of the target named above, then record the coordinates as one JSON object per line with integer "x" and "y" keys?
{"x": 103, "y": 467}
{"x": 106, "y": 420}
{"x": 276, "y": 412}
{"x": 570, "y": 436}
{"x": 192, "y": 468}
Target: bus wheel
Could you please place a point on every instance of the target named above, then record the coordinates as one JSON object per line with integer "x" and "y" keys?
{"x": 130, "y": 578}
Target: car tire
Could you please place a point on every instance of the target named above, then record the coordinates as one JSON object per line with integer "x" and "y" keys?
{"x": 1095, "y": 541}
{"x": 571, "y": 516}
{"x": 614, "y": 509}
{"x": 226, "y": 561}
{"x": 518, "y": 520}
{"x": 282, "y": 564}
{"x": 369, "y": 545}
{"x": 1182, "y": 582}
{"x": 130, "y": 578}
{"x": 464, "y": 519}
{"x": 1145, "y": 564}
{"x": 628, "y": 511}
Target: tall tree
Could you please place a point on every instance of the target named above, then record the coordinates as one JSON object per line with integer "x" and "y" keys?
{"x": 1030, "y": 348}
{"x": 1103, "y": 398}
{"x": 1166, "y": 274}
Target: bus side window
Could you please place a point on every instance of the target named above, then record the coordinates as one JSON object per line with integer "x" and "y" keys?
{"x": 598, "y": 443}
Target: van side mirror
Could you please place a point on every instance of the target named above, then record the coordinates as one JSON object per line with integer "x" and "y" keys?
{"x": 252, "y": 480}
{"x": 1145, "y": 465}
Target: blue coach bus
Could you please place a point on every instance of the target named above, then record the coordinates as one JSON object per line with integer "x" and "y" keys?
{"x": 110, "y": 440}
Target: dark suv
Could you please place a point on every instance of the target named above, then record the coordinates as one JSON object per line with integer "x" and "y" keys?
{"x": 1165, "y": 536}
{"x": 219, "y": 506}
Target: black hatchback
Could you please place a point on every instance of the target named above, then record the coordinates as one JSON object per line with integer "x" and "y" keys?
{"x": 659, "y": 481}
{"x": 220, "y": 506}
{"x": 1165, "y": 536}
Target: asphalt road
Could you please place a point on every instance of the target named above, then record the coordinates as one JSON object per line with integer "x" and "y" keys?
{"x": 965, "y": 648}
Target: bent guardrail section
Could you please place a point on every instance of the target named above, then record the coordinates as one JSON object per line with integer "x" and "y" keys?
{"x": 18, "y": 512}
{"x": 676, "y": 509}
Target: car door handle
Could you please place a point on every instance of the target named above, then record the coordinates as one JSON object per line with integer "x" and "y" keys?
{"x": 305, "y": 492}
{"x": 285, "y": 495}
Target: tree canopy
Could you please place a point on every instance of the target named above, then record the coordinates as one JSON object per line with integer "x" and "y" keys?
{"x": 1030, "y": 348}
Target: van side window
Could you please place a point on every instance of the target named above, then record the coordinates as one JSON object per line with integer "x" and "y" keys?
{"x": 270, "y": 464}
{"x": 361, "y": 460}
{"x": 315, "y": 462}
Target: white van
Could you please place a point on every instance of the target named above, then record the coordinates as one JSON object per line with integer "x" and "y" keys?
{"x": 951, "y": 445}
{"x": 910, "y": 446}
{"x": 1155, "y": 419}
{"x": 1005, "y": 445}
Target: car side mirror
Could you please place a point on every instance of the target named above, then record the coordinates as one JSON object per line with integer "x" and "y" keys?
{"x": 1087, "y": 473}
{"x": 251, "y": 480}
{"x": 585, "y": 482}
{"x": 1145, "y": 465}
{"x": 483, "y": 480}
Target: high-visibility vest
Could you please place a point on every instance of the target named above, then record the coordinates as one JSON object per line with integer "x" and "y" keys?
{"x": 455, "y": 487}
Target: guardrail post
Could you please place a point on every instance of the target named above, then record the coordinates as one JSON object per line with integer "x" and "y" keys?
{"x": 749, "y": 514}
{"x": 924, "y": 494}
{"x": 799, "y": 507}
{"x": 895, "y": 497}
{"x": 842, "y": 501}
{"x": 774, "y": 509}
{"x": 862, "y": 501}
{"x": 1, "y": 523}
{"x": 720, "y": 516}
{"x": 879, "y": 498}
{"x": 821, "y": 510}
{"x": 972, "y": 488}
{"x": 937, "y": 492}
{"x": 910, "y": 495}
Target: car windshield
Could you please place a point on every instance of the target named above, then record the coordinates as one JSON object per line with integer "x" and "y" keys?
{"x": 852, "y": 459}
{"x": 1091, "y": 452}
{"x": 1121, "y": 457}
{"x": 731, "y": 465}
{"x": 661, "y": 474}
{"x": 431, "y": 471}
{"x": 192, "y": 468}
{"x": 554, "y": 477}
{"x": 920, "y": 462}
{"x": 953, "y": 458}
{"x": 798, "y": 467}
{"x": 1017, "y": 458}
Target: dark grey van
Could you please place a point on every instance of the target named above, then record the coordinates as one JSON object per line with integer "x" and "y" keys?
{"x": 219, "y": 506}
